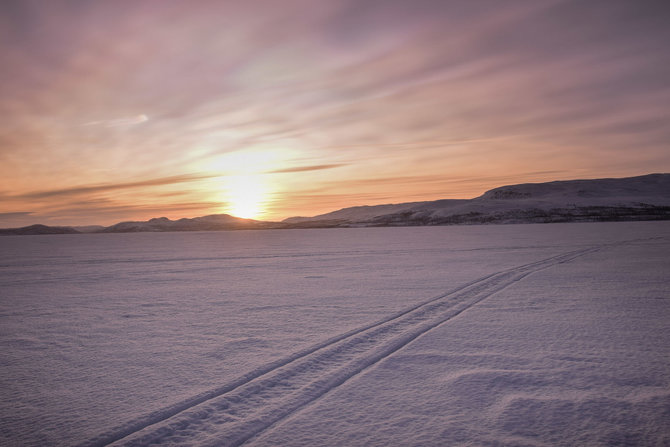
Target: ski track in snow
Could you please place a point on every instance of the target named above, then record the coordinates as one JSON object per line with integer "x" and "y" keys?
{"x": 238, "y": 411}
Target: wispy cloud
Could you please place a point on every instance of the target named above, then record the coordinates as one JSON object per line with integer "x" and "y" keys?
{"x": 306, "y": 168}
{"x": 17, "y": 214}
{"x": 119, "y": 122}
{"x": 87, "y": 189}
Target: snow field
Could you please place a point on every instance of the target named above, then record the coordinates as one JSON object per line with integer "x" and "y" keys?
{"x": 243, "y": 410}
{"x": 328, "y": 337}
{"x": 576, "y": 354}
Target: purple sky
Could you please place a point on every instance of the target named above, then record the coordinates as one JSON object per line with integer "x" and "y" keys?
{"x": 131, "y": 109}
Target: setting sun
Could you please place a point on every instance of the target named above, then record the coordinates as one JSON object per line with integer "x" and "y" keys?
{"x": 246, "y": 188}
{"x": 246, "y": 195}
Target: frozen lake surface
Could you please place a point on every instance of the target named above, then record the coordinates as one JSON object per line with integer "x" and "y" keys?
{"x": 524, "y": 335}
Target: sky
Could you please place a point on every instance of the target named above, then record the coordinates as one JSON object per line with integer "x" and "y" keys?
{"x": 117, "y": 110}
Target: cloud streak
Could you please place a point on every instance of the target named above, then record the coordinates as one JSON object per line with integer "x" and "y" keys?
{"x": 306, "y": 168}
{"x": 16, "y": 214}
{"x": 129, "y": 121}
{"x": 88, "y": 189}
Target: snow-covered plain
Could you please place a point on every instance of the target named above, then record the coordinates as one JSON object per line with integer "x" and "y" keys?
{"x": 536, "y": 335}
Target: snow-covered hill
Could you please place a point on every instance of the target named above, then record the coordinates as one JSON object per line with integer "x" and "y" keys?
{"x": 356, "y": 213}
{"x": 634, "y": 198}
{"x": 206, "y": 223}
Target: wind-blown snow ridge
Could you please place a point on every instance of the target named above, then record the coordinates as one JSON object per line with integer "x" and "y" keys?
{"x": 236, "y": 412}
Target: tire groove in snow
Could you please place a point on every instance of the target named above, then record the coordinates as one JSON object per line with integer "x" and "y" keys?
{"x": 234, "y": 413}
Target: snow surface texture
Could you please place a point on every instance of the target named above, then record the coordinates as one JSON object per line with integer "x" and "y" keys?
{"x": 507, "y": 335}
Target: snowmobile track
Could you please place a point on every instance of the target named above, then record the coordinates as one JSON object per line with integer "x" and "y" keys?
{"x": 238, "y": 411}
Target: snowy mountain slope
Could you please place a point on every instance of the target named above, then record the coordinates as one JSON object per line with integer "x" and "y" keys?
{"x": 634, "y": 198}
{"x": 645, "y": 197}
{"x": 356, "y": 213}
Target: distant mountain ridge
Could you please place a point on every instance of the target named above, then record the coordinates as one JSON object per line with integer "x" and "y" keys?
{"x": 633, "y": 198}
{"x": 37, "y": 229}
{"x": 644, "y": 197}
{"x": 214, "y": 222}
{"x": 357, "y": 212}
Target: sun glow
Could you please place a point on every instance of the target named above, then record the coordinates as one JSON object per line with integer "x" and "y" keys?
{"x": 246, "y": 195}
{"x": 247, "y": 187}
